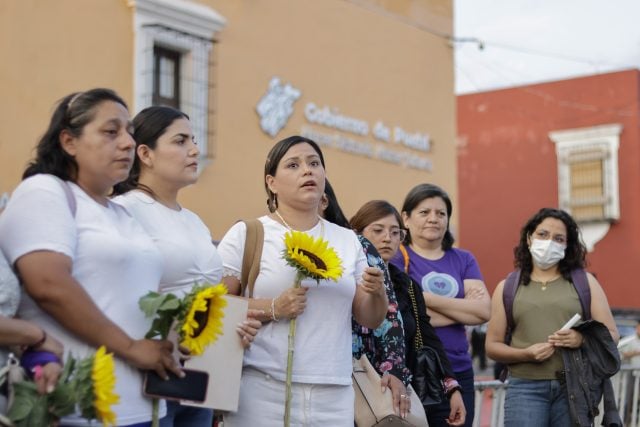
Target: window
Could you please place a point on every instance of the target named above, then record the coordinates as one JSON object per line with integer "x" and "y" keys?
{"x": 588, "y": 172}
{"x": 174, "y": 41}
{"x": 166, "y": 77}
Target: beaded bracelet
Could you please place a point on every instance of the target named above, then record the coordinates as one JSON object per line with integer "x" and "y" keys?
{"x": 451, "y": 385}
{"x": 273, "y": 310}
{"x": 38, "y": 343}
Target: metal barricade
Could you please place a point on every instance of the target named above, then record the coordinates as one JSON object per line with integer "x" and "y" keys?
{"x": 626, "y": 387}
{"x": 489, "y": 406}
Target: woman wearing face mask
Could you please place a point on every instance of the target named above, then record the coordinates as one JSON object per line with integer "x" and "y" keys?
{"x": 549, "y": 250}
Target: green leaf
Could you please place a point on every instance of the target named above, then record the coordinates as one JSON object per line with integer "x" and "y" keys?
{"x": 67, "y": 370}
{"x": 160, "y": 327}
{"x": 62, "y": 400}
{"x": 26, "y": 395}
{"x": 150, "y": 302}
{"x": 39, "y": 415}
{"x": 170, "y": 303}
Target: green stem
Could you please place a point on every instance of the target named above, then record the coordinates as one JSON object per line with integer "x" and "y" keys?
{"x": 155, "y": 421}
{"x": 291, "y": 344}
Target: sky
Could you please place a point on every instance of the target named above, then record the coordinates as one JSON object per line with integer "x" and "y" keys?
{"x": 532, "y": 41}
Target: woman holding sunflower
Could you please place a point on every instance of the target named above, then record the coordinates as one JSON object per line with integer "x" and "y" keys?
{"x": 167, "y": 161}
{"x": 83, "y": 261}
{"x": 321, "y": 386}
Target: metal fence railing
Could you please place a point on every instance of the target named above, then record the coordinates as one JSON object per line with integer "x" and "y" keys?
{"x": 489, "y": 407}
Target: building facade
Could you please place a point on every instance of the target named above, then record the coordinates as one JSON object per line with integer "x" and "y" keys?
{"x": 370, "y": 80}
{"x": 572, "y": 144}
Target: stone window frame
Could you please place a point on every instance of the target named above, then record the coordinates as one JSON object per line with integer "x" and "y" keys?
{"x": 187, "y": 28}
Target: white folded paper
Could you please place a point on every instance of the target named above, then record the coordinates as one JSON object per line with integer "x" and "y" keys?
{"x": 223, "y": 360}
{"x": 626, "y": 340}
{"x": 575, "y": 319}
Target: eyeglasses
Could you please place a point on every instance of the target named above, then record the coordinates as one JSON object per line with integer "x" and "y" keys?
{"x": 395, "y": 233}
{"x": 546, "y": 235}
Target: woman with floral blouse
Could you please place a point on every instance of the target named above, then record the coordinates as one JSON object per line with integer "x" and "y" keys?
{"x": 385, "y": 345}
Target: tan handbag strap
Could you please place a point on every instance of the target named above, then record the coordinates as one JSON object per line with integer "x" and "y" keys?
{"x": 251, "y": 257}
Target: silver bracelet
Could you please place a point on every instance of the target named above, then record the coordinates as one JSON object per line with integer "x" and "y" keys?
{"x": 273, "y": 310}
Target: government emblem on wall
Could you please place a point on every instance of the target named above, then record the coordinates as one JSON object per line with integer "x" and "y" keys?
{"x": 276, "y": 106}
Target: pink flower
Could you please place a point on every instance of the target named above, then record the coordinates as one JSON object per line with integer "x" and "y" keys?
{"x": 385, "y": 366}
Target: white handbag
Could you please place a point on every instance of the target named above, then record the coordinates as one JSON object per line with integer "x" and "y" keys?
{"x": 375, "y": 408}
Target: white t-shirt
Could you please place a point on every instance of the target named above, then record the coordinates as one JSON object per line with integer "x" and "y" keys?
{"x": 323, "y": 335}
{"x": 184, "y": 241}
{"x": 633, "y": 345}
{"x": 114, "y": 260}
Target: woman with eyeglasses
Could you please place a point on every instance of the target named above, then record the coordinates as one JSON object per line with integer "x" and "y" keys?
{"x": 379, "y": 222}
{"x": 452, "y": 285}
{"x": 385, "y": 345}
{"x": 540, "y": 391}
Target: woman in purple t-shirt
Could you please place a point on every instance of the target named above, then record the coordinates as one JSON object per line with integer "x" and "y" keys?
{"x": 452, "y": 285}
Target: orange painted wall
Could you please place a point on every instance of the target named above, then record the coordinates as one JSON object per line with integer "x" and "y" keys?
{"x": 507, "y": 170}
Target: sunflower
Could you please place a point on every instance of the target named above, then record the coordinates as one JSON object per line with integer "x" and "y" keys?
{"x": 202, "y": 323}
{"x": 312, "y": 257}
{"x": 104, "y": 381}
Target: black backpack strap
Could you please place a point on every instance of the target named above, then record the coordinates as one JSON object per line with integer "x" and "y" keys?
{"x": 508, "y": 297}
{"x": 581, "y": 283}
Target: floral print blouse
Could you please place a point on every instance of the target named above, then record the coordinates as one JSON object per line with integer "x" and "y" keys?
{"x": 384, "y": 346}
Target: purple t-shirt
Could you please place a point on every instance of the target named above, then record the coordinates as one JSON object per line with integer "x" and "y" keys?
{"x": 445, "y": 277}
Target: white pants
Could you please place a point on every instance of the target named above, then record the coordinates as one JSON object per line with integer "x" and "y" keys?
{"x": 262, "y": 403}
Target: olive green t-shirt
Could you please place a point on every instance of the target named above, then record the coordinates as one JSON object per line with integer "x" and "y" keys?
{"x": 538, "y": 312}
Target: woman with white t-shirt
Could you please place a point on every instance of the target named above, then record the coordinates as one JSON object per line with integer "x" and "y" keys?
{"x": 167, "y": 161}
{"x": 321, "y": 392}
{"x": 83, "y": 261}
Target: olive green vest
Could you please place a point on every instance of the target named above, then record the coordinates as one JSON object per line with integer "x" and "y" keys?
{"x": 538, "y": 312}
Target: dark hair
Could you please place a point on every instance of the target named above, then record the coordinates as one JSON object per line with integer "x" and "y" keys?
{"x": 333, "y": 212}
{"x": 427, "y": 191}
{"x": 371, "y": 212}
{"x": 148, "y": 126}
{"x": 276, "y": 154}
{"x": 72, "y": 113}
{"x": 574, "y": 254}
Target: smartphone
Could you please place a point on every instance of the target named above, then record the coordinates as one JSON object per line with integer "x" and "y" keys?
{"x": 192, "y": 387}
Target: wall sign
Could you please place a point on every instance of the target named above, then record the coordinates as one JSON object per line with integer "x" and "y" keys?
{"x": 331, "y": 128}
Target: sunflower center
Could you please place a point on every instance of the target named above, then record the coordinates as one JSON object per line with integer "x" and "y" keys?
{"x": 317, "y": 261}
{"x": 202, "y": 317}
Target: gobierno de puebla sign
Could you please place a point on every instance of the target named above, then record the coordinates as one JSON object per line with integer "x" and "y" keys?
{"x": 330, "y": 128}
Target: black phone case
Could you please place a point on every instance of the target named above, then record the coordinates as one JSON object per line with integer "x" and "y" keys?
{"x": 192, "y": 387}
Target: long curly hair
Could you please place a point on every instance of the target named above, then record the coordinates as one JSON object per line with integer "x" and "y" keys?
{"x": 574, "y": 254}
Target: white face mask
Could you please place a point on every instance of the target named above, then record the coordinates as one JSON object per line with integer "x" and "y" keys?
{"x": 546, "y": 253}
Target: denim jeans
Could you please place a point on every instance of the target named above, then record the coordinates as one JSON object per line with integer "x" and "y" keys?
{"x": 437, "y": 414}
{"x": 186, "y": 416}
{"x": 536, "y": 403}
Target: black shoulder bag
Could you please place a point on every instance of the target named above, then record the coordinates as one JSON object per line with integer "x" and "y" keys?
{"x": 428, "y": 373}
